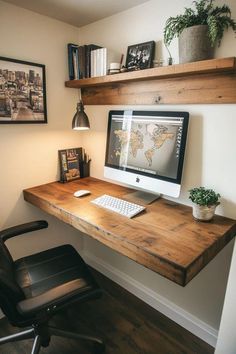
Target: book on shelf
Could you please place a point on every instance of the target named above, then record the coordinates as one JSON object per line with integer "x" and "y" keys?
{"x": 75, "y": 64}
{"x": 92, "y": 63}
{"x": 99, "y": 62}
{"x": 73, "y": 61}
{"x": 82, "y": 61}
{"x": 105, "y": 59}
{"x": 90, "y": 48}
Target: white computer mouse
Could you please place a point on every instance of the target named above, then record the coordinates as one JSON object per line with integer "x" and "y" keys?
{"x": 81, "y": 193}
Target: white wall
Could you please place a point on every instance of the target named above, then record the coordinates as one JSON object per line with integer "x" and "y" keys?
{"x": 227, "y": 340}
{"x": 210, "y": 157}
{"x": 29, "y": 152}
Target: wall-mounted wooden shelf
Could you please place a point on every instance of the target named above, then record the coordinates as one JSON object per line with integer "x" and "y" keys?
{"x": 208, "y": 81}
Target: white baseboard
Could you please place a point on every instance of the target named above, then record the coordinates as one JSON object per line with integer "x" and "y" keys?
{"x": 158, "y": 302}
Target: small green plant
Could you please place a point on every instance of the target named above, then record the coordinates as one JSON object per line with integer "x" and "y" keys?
{"x": 203, "y": 196}
{"x": 218, "y": 19}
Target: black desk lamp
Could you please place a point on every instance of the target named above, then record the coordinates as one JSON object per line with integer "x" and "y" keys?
{"x": 80, "y": 120}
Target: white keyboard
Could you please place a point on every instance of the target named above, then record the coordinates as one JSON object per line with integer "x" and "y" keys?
{"x": 119, "y": 206}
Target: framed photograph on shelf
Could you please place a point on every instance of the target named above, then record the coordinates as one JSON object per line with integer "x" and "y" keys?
{"x": 70, "y": 164}
{"x": 140, "y": 56}
{"x": 22, "y": 92}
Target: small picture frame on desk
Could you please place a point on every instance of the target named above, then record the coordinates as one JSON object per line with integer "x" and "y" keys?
{"x": 140, "y": 56}
{"x": 70, "y": 160}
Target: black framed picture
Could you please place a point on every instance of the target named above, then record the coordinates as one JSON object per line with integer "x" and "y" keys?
{"x": 22, "y": 92}
{"x": 140, "y": 56}
{"x": 70, "y": 164}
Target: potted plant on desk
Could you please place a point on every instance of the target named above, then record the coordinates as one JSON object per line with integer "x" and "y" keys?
{"x": 205, "y": 202}
{"x": 199, "y": 30}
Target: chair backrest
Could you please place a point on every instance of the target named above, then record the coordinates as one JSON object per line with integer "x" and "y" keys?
{"x": 10, "y": 292}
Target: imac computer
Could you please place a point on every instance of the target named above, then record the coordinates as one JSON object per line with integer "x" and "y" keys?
{"x": 145, "y": 150}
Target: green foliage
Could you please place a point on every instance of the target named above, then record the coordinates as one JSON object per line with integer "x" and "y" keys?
{"x": 203, "y": 196}
{"x": 218, "y": 18}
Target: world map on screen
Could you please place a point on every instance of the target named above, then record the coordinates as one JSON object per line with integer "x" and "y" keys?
{"x": 143, "y": 140}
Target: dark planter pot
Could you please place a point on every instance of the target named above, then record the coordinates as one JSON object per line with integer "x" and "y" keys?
{"x": 194, "y": 44}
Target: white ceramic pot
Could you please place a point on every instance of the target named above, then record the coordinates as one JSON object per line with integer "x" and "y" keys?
{"x": 203, "y": 213}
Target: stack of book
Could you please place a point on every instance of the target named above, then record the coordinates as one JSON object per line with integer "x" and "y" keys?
{"x": 99, "y": 62}
{"x": 86, "y": 61}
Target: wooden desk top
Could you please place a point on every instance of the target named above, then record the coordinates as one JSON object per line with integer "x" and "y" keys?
{"x": 165, "y": 238}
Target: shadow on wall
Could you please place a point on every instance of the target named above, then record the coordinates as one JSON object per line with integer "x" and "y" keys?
{"x": 192, "y": 172}
{"x": 19, "y": 211}
{"x": 56, "y": 234}
{"x": 227, "y": 205}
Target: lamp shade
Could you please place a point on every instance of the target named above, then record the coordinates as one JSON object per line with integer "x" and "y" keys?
{"x": 80, "y": 120}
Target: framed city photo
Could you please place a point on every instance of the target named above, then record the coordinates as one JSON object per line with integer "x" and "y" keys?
{"x": 69, "y": 160}
{"x": 140, "y": 56}
{"x": 22, "y": 92}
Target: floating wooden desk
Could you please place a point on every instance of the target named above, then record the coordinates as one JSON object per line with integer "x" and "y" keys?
{"x": 164, "y": 238}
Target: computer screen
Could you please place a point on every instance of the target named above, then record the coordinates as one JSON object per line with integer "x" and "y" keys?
{"x": 145, "y": 149}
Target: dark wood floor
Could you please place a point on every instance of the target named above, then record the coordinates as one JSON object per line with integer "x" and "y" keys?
{"x": 127, "y": 325}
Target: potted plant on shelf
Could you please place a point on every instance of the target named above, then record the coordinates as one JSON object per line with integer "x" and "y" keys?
{"x": 205, "y": 202}
{"x": 199, "y": 30}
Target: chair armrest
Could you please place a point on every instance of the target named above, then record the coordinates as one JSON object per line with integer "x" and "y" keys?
{"x": 22, "y": 229}
{"x": 57, "y": 297}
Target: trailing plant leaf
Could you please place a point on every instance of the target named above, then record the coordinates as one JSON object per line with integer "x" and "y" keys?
{"x": 218, "y": 19}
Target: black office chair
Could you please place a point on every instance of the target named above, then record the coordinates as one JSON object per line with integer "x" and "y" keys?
{"x": 34, "y": 288}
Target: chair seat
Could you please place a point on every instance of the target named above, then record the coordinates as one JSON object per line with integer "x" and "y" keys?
{"x": 34, "y": 288}
{"x": 54, "y": 274}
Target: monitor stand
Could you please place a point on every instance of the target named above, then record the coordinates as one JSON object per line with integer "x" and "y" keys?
{"x": 141, "y": 197}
